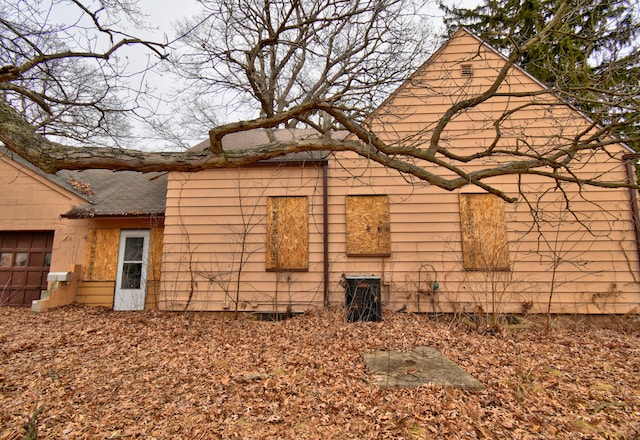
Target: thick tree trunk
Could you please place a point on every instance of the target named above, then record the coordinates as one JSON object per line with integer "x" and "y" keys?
{"x": 20, "y": 138}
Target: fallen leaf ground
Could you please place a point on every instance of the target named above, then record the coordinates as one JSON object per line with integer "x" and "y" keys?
{"x": 79, "y": 372}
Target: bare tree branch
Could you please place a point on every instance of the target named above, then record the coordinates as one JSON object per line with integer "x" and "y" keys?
{"x": 66, "y": 78}
{"x": 325, "y": 65}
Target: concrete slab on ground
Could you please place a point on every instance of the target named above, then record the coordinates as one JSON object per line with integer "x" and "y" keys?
{"x": 422, "y": 365}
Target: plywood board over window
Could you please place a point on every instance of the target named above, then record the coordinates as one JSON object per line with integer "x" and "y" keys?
{"x": 484, "y": 232}
{"x": 368, "y": 226}
{"x": 287, "y": 234}
{"x": 101, "y": 256}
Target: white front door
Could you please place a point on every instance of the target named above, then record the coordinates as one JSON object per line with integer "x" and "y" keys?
{"x": 131, "y": 279}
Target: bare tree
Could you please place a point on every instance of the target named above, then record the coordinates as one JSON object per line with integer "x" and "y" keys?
{"x": 60, "y": 70}
{"x": 325, "y": 64}
{"x": 285, "y": 54}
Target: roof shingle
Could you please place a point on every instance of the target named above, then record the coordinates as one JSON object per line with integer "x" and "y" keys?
{"x": 117, "y": 193}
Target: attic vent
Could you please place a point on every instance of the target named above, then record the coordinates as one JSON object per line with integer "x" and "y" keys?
{"x": 466, "y": 70}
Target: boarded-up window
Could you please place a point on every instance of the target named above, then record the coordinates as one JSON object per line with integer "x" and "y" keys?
{"x": 101, "y": 256}
{"x": 287, "y": 233}
{"x": 484, "y": 232}
{"x": 368, "y": 226}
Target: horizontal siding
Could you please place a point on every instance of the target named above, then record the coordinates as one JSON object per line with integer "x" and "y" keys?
{"x": 204, "y": 231}
{"x": 424, "y": 230}
{"x": 101, "y": 293}
{"x": 599, "y": 269}
{"x": 96, "y": 293}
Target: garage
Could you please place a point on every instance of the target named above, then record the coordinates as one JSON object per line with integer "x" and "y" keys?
{"x": 25, "y": 257}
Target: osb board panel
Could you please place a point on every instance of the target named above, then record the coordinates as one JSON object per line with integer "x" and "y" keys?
{"x": 368, "y": 226}
{"x": 155, "y": 254}
{"x": 484, "y": 232}
{"x": 287, "y": 233}
{"x": 101, "y": 256}
{"x": 151, "y": 300}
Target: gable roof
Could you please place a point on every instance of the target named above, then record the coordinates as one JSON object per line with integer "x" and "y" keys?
{"x": 484, "y": 45}
{"x": 107, "y": 193}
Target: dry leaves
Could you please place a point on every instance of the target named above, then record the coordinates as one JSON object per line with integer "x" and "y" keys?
{"x": 93, "y": 373}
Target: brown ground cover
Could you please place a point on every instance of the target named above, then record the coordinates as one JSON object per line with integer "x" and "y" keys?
{"x": 79, "y": 372}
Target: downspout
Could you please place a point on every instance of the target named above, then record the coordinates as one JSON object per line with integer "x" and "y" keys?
{"x": 633, "y": 195}
{"x": 325, "y": 225}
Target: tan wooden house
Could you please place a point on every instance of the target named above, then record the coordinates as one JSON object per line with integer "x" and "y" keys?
{"x": 309, "y": 231}
{"x": 312, "y": 230}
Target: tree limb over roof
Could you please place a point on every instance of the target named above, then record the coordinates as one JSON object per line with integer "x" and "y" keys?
{"x": 489, "y": 106}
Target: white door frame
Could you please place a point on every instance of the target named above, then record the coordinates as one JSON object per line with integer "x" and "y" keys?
{"x": 132, "y": 297}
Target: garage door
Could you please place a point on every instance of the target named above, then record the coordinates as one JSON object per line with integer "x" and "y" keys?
{"x": 25, "y": 258}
